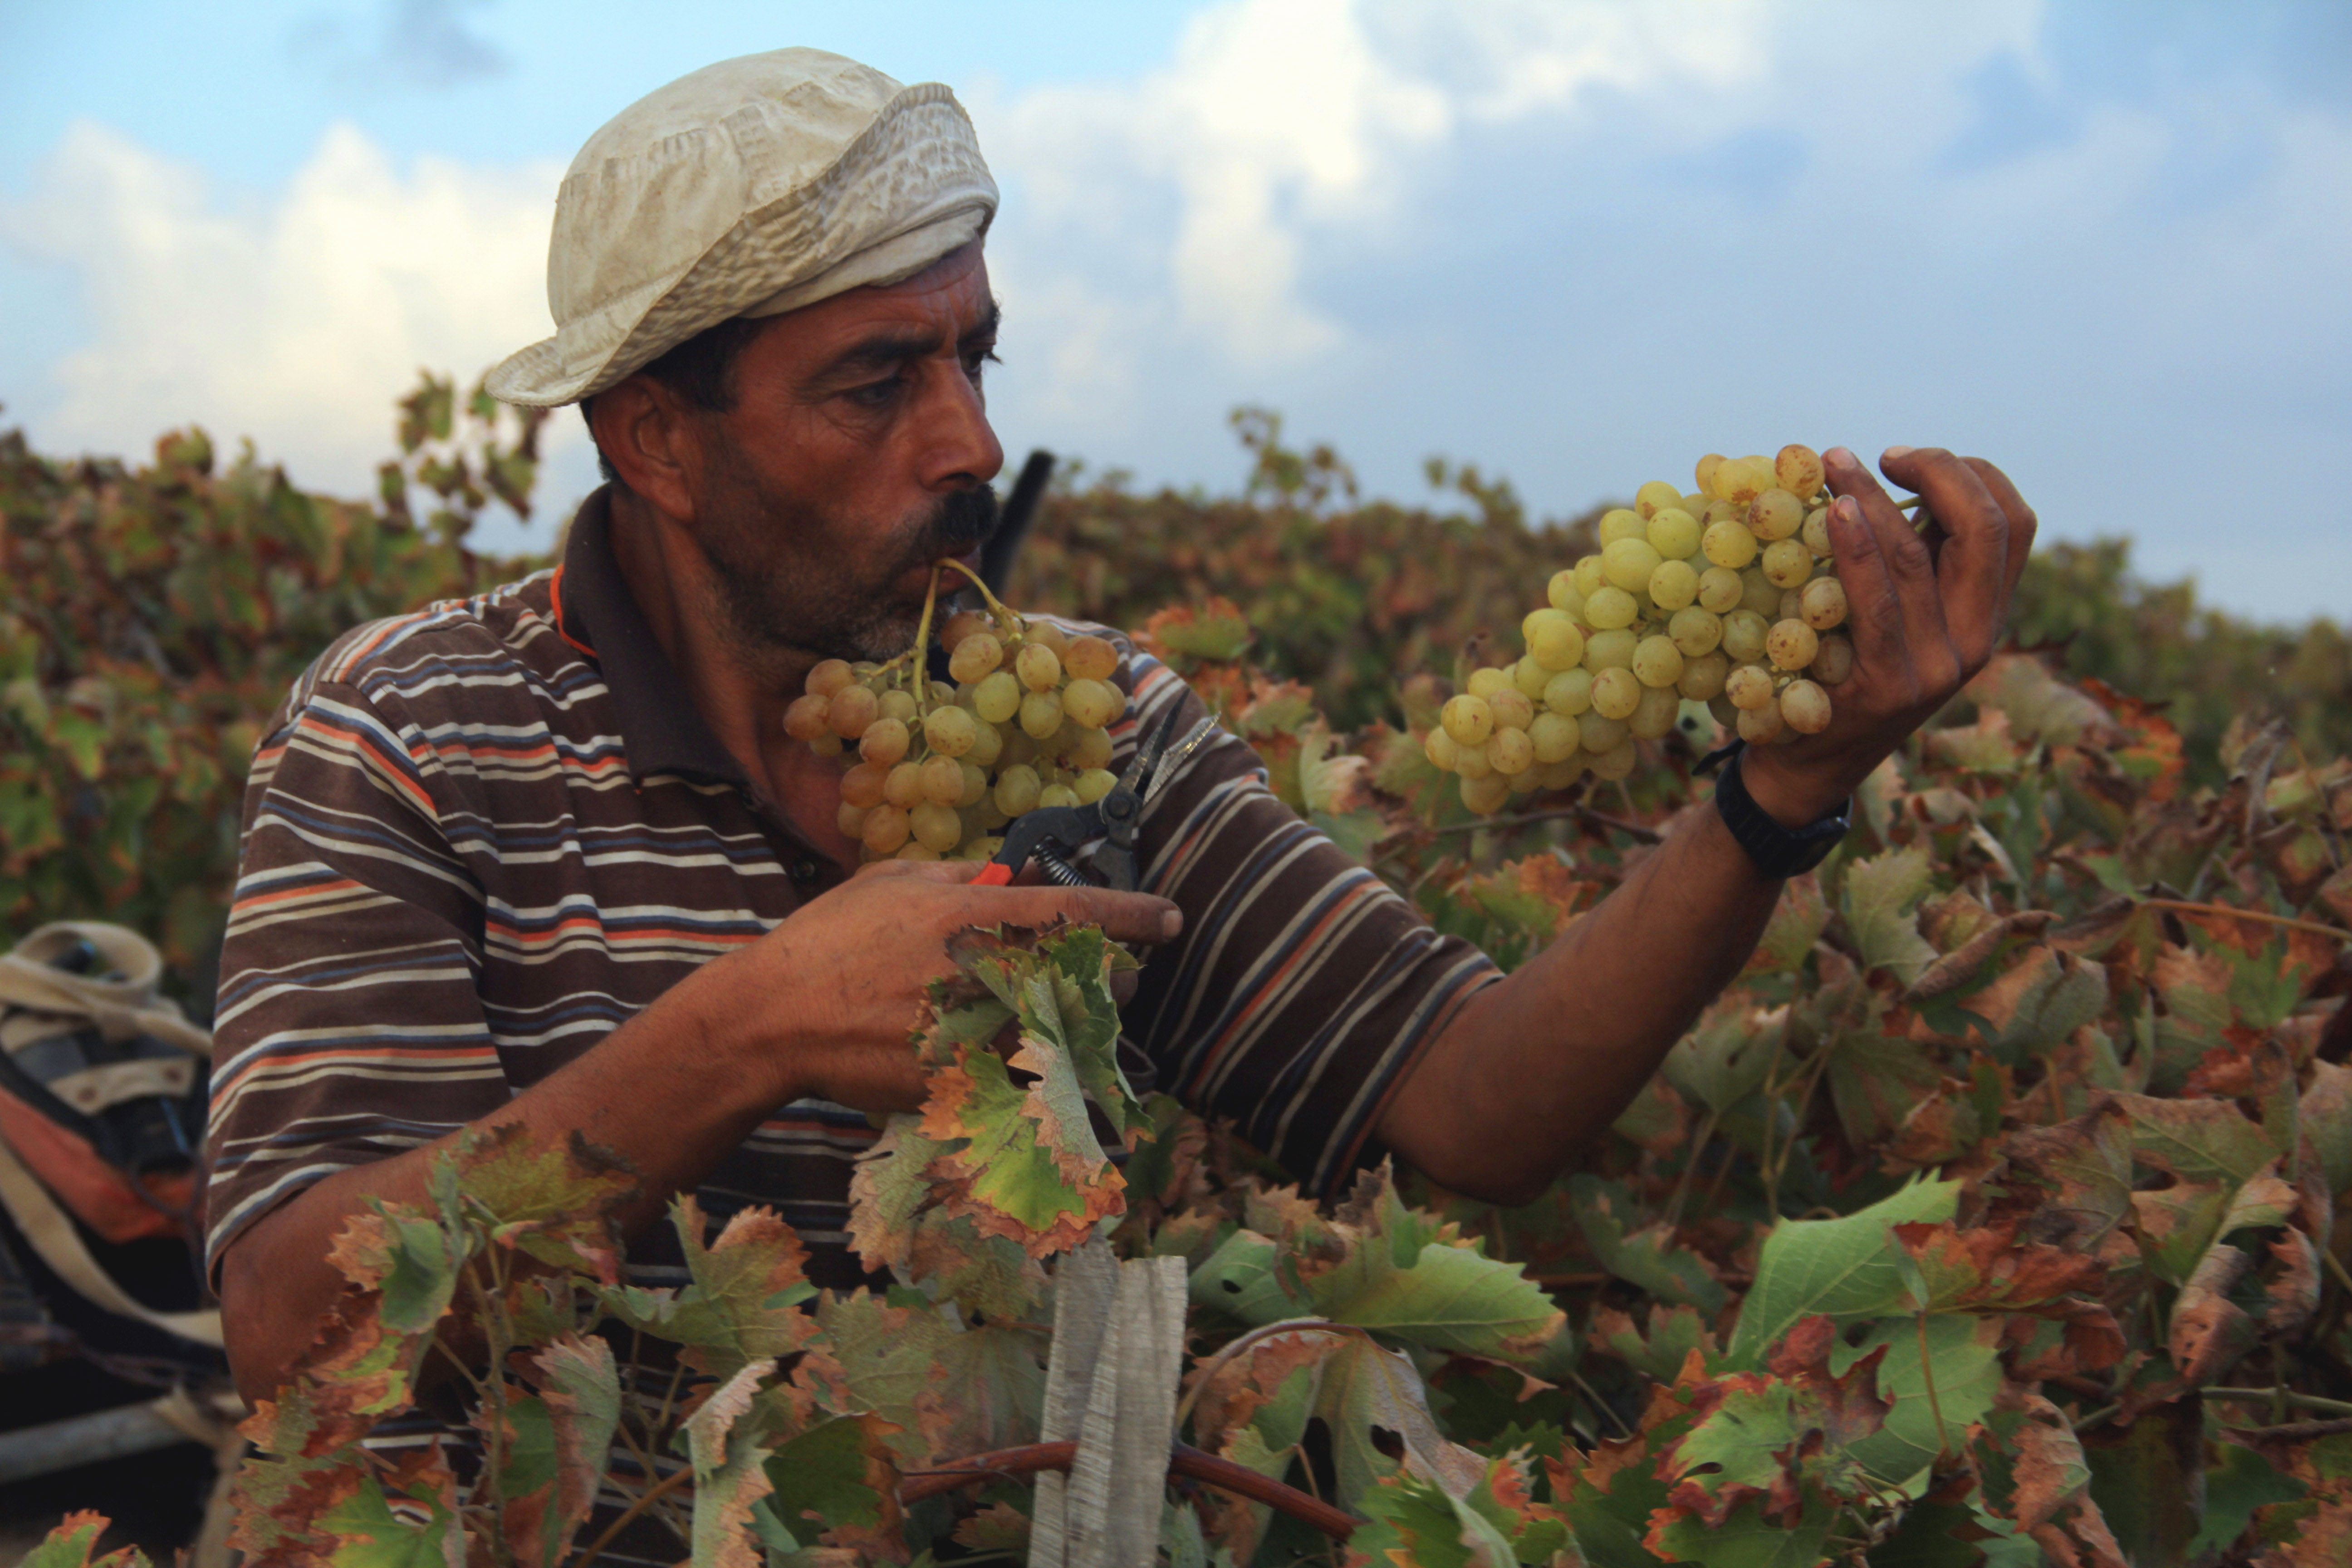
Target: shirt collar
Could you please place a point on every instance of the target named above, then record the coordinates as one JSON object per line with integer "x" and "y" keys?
{"x": 597, "y": 613}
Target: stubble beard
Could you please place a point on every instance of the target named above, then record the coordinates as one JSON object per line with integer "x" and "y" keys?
{"x": 782, "y": 592}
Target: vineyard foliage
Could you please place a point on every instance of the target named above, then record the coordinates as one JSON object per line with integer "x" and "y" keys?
{"x": 1989, "y": 1217}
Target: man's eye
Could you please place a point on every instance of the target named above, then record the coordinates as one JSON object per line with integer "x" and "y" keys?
{"x": 975, "y": 363}
{"x": 875, "y": 394}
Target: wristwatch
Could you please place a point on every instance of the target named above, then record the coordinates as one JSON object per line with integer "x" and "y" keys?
{"x": 1779, "y": 852}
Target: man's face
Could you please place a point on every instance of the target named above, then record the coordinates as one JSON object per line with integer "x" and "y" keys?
{"x": 857, "y": 453}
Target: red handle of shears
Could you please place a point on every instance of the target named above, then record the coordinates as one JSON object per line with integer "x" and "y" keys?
{"x": 995, "y": 874}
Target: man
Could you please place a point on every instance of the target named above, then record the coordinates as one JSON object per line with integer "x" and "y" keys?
{"x": 547, "y": 856}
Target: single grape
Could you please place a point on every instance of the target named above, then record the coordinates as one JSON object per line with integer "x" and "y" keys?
{"x": 1443, "y": 749}
{"x": 1705, "y": 472}
{"x": 982, "y": 849}
{"x": 916, "y": 850}
{"x": 1741, "y": 479}
{"x": 1056, "y": 795}
{"x": 1657, "y": 662}
{"x": 942, "y": 694}
{"x": 1041, "y": 714}
{"x": 826, "y": 745}
{"x": 1619, "y": 522}
{"x": 1597, "y": 732}
{"x": 1729, "y": 544}
{"x": 1570, "y": 692}
{"x": 1695, "y": 502}
{"x": 1511, "y": 751}
{"x": 1561, "y": 774}
{"x": 1724, "y": 512}
{"x": 1468, "y": 718}
{"x": 975, "y": 656}
{"x": 861, "y": 786}
{"x": 885, "y": 828}
{"x": 1786, "y": 562}
{"x": 1587, "y": 576}
{"x": 1806, "y": 707}
{"x": 1660, "y": 707}
{"x": 1758, "y": 592}
{"x": 1721, "y": 590}
{"x": 1092, "y": 657}
{"x": 1512, "y": 709}
{"x": 1044, "y": 634}
{"x": 1657, "y": 493}
{"x": 1816, "y": 531}
{"x": 1016, "y": 789}
{"x": 850, "y": 820}
{"x": 1091, "y": 750}
{"x": 1563, "y": 593}
{"x": 949, "y": 731}
{"x": 1486, "y": 795}
{"x": 1554, "y": 639}
{"x": 1775, "y": 515}
{"x": 961, "y": 625}
{"x": 987, "y": 745}
{"x": 829, "y": 677}
{"x": 1611, "y": 650}
{"x": 1629, "y": 562}
{"x": 936, "y": 826}
{"x": 1725, "y": 712}
{"x": 804, "y": 717}
{"x": 1471, "y": 761}
{"x": 1018, "y": 746}
{"x": 1609, "y": 608}
{"x": 975, "y": 782}
{"x": 1039, "y": 666}
{"x": 1553, "y": 737}
{"x": 1487, "y": 679}
{"x": 1091, "y": 702}
{"x": 1744, "y": 632}
{"x": 1761, "y": 726}
{"x": 1792, "y": 645}
{"x": 1702, "y": 676}
{"x": 1616, "y": 694}
{"x": 1094, "y": 784}
{"x": 1615, "y": 762}
{"x": 1792, "y": 606}
{"x": 1695, "y": 631}
{"x": 851, "y": 710}
{"x": 1673, "y": 585}
{"x": 997, "y": 697}
{"x": 1674, "y": 533}
{"x": 902, "y": 786}
{"x": 942, "y": 780}
{"x": 1530, "y": 677}
{"x": 1832, "y": 661}
{"x": 1799, "y": 469}
{"x": 1823, "y": 602}
{"x": 899, "y": 705}
{"x": 1749, "y": 686}
{"x": 884, "y": 741}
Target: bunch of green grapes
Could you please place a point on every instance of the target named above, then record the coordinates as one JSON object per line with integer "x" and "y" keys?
{"x": 1725, "y": 596}
{"x": 941, "y": 766}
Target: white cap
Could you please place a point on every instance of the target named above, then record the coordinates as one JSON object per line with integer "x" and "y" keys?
{"x": 751, "y": 187}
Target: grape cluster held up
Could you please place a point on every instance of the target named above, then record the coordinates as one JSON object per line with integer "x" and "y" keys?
{"x": 943, "y": 765}
{"x": 1725, "y": 596}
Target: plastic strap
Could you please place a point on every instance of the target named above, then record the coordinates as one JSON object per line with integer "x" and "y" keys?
{"x": 57, "y": 1244}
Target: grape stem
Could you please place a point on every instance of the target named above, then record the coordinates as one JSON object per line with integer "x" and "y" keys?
{"x": 1004, "y": 617}
{"x": 920, "y": 664}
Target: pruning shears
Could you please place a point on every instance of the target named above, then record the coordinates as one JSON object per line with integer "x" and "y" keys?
{"x": 1052, "y": 835}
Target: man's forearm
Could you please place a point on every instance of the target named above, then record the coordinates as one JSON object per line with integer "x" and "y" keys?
{"x": 663, "y": 1091}
{"x": 1539, "y": 1063}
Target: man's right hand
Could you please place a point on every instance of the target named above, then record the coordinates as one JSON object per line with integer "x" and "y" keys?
{"x": 877, "y": 940}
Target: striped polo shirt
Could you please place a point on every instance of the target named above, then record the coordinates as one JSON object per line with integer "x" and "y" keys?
{"x": 479, "y": 838}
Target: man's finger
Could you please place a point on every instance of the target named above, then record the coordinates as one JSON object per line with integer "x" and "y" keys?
{"x": 1909, "y": 567}
{"x": 1972, "y": 568}
{"x": 1124, "y": 917}
{"x": 923, "y": 870}
{"x": 1873, "y": 610}
{"x": 2022, "y": 524}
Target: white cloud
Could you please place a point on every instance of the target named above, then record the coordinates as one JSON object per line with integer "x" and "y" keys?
{"x": 295, "y": 320}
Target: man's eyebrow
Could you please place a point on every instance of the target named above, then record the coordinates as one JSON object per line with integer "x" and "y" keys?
{"x": 884, "y": 350}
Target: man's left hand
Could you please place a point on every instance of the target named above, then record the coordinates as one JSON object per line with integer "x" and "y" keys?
{"x": 1925, "y": 612}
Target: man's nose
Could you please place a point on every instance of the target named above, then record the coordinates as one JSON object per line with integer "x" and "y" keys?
{"x": 960, "y": 446}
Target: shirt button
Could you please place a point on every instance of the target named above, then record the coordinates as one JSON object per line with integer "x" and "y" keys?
{"x": 802, "y": 873}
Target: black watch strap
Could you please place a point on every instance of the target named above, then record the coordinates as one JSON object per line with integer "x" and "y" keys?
{"x": 1779, "y": 852}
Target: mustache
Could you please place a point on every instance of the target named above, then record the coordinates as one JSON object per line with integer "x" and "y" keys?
{"x": 962, "y": 519}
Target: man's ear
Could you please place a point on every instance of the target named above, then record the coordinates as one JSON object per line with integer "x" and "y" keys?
{"x": 649, "y": 437}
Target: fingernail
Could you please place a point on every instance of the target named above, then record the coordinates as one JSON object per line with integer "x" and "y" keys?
{"x": 1896, "y": 454}
{"x": 1839, "y": 455}
{"x": 1169, "y": 924}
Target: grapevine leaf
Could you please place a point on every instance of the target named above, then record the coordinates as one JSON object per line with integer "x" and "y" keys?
{"x": 70, "y": 1543}
{"x": 1647, "y": 1258}
{"x": 2326, "y": 1117}
{"x": 1986, "y": 1270}
{"x": 1727, "y": 1057}
{"x": 1398, "y": 1278}
{"x": 1415, "y": 1521}
{"x": 582, "y": 1391}
{"x": 2086, "y": 1168}
{"x": 725, "y": 1437}
{"x": 1962, "y": 1361}
{"x": 1838, "y": 1267}
{"x": 743, "y": 1299}
{"x": 1744, "y": 1541}
{"x": 947, "y": 1389}
{"x": 2240, "y": 1482}
{"x": 836, "y": 1480}
{"x": 368, "y": 1534}
{"x": 1879, "y": 895}
{"x": 1778, "y": 1439}
{"x": 1675, "y": 1333}
{"x": 556, "y": 1201}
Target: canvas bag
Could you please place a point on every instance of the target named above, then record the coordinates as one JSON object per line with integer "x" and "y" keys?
{"x": 98, "y": 1080}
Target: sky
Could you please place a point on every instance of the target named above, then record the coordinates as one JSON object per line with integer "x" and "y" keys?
{"x": 2103, "y": 243}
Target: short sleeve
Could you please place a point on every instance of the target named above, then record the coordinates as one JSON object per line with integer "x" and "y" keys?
{"x": 1304, "y": 987}
{"x": 349, "y": 1026}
